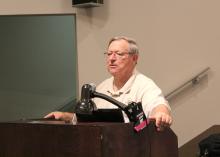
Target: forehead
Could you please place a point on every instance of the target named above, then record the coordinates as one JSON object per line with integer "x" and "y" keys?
{"x": 119, "y": 45}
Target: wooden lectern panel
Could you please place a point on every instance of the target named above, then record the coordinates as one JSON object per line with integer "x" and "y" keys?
{"x": 127, "y": 143}
{"x": 40, "y": 140}
{"x": 163, "y": 143}
{"x": 57, "y": 139}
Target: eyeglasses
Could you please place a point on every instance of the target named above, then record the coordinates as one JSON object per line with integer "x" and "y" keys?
{"x": 118, "y": 54}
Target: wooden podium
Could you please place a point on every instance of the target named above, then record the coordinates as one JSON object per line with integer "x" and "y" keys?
{"x": 57, "y": 139}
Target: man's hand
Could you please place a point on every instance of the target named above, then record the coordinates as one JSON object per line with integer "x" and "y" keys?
{"x": 162, "y": 116}
{"x": 65, "y": 116}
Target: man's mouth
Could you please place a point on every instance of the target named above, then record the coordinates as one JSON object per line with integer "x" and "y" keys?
{"x": 112, "y": 66}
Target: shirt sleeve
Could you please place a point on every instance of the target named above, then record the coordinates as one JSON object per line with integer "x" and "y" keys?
{"x": 152, "y": 97}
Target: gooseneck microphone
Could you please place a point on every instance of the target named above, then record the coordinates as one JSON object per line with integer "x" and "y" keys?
{"x": 86, "y": 106}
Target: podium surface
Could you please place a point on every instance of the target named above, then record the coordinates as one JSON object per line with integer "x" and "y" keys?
{"x": 58, "y": 139}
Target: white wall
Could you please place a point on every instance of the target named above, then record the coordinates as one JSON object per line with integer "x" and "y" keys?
{"x": 177, "y": 40}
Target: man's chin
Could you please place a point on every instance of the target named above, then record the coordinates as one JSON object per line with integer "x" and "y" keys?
{"x": 113, "y": 72}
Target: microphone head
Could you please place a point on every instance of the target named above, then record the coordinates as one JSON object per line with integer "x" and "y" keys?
{"x": 87, "y": 91}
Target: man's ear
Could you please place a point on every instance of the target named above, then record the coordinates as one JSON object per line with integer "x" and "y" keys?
{"x": 135, "y": 58}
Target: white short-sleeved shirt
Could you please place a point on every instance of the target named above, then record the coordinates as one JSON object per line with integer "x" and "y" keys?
{"x": 138, "y": 88}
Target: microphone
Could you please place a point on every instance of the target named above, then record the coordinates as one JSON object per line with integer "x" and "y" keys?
{"x": 86, "y": 105}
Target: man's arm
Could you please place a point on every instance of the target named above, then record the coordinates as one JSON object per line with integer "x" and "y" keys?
{"x": 162, "y": 115}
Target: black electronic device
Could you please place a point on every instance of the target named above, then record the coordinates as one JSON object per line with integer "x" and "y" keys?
{"x": 102, "y": 115}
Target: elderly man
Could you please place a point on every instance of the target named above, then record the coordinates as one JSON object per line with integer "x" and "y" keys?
{"x": 127, "y": 84}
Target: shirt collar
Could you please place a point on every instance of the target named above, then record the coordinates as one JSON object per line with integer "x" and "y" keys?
{"x": 126, "y": 88}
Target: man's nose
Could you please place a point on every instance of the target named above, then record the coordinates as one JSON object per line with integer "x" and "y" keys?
{"x": 112, "y": 56}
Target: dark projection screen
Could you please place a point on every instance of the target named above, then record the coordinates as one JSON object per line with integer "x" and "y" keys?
{"x": 38, "y": 65}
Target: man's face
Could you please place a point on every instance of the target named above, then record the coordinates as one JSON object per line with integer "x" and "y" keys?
{"x": 119, "y": 62}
